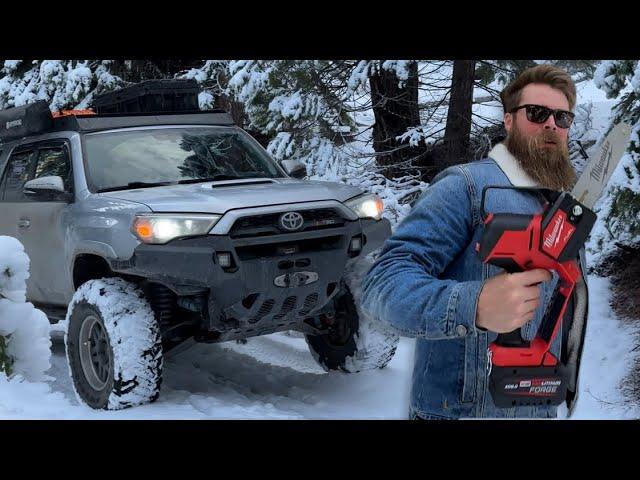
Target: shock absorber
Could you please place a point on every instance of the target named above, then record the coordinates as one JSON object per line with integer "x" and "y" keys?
{"x": 162, "y": 301}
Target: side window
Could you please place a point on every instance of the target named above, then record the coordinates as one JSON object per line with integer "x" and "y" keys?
{"x": 16, "y": 174}
{"x": 54, "y": 161}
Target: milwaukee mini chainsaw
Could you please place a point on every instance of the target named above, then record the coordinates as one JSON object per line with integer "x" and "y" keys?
{"x": 526, "y": 372}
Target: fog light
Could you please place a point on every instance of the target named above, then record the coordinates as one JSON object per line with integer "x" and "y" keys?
{"x": 224, "y": 259}
{"x": 356, "y": 244}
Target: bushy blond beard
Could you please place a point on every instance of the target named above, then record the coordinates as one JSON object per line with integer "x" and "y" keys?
{"x": 549, "y": 166}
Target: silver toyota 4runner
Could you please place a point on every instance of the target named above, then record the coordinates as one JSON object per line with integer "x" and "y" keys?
{"x": 148, "y": 230}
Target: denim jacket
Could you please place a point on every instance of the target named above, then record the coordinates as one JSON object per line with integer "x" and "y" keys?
{"x": 427, "y": 280}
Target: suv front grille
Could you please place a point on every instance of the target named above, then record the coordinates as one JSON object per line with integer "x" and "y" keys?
{"x": 265, "y": 225}
{"x": 270, "y": 250}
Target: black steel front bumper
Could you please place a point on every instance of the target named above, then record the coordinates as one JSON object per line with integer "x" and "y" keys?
{"x": 274, "y": 281}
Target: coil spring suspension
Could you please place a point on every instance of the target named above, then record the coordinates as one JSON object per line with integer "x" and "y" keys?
{"x": 162, "y": 301}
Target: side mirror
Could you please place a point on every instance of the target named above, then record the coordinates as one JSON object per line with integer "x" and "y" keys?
{"x": 294, "y": 168}
{"x": 52, "y": 187}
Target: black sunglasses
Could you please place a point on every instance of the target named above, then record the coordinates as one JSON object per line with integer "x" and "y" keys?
{"x": 539, "y": 114}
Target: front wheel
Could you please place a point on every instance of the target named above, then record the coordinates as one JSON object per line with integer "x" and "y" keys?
{"x": 113, "y": 345}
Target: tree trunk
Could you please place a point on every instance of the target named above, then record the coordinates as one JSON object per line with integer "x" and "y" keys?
{"x": 458, "y": 129}
{"x": 395, "y": 109}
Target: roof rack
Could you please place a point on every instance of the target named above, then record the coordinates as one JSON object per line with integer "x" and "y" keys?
{"x": 151, "y": 96}
{"x": 148, "y": 103}
{"x": 97, "y": 122}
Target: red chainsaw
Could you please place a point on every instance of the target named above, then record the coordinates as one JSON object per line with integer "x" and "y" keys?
{"x": 526, "y": 372}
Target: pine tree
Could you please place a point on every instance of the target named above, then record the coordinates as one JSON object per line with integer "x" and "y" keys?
{"x": 394, "y": 101}
{"x": 64, "y": 84}
{"x": 458, "y": 129}
{"x": 298, "y": 105}
{"x": 69, "y": 84}
{"x": 618, "y": 224}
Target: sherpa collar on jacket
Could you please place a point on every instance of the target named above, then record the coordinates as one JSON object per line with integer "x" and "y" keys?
{"x": 510, "y": 166}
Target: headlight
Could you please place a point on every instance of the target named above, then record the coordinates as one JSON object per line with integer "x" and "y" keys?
{"x": 161, "y": 228}
{"x": 366, "y": 206}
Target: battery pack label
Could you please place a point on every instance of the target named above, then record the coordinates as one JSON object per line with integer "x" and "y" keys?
{"x": 513, "y": 386}
{"x": 537, "y": 387}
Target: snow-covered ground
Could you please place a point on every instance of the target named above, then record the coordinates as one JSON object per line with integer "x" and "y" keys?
{"x": 607, "y": 360}
{"x": 275, "y": 377}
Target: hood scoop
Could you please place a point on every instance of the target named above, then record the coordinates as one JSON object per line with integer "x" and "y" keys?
{"x": 237, "y": 183}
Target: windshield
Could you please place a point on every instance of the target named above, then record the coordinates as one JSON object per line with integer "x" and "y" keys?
{"x": 144, "y": 158}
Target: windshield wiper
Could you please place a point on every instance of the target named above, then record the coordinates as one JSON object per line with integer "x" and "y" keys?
{"x": 135, "y": 185}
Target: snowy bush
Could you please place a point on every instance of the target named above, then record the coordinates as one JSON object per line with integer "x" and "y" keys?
{"x": 25, "y": 345}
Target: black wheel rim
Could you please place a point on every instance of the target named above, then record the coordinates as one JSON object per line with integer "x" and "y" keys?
{"x": 95, "y": 353}
{"x": 342, "y": 330}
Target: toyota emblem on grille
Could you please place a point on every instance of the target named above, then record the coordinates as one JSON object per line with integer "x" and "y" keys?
{"x": 291, "y": 221}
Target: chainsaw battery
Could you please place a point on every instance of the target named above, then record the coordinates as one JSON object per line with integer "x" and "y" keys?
{"x": 523, "y": 386}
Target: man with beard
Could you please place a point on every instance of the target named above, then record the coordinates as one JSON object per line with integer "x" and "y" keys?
{"x": 429, "y": 282}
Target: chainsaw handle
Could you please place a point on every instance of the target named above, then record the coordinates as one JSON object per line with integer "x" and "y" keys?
{"x": 548, "y": 325}
{"x": 512, "y": 339}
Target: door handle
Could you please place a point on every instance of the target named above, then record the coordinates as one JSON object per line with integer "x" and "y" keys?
{"x": 24, "y": 223}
